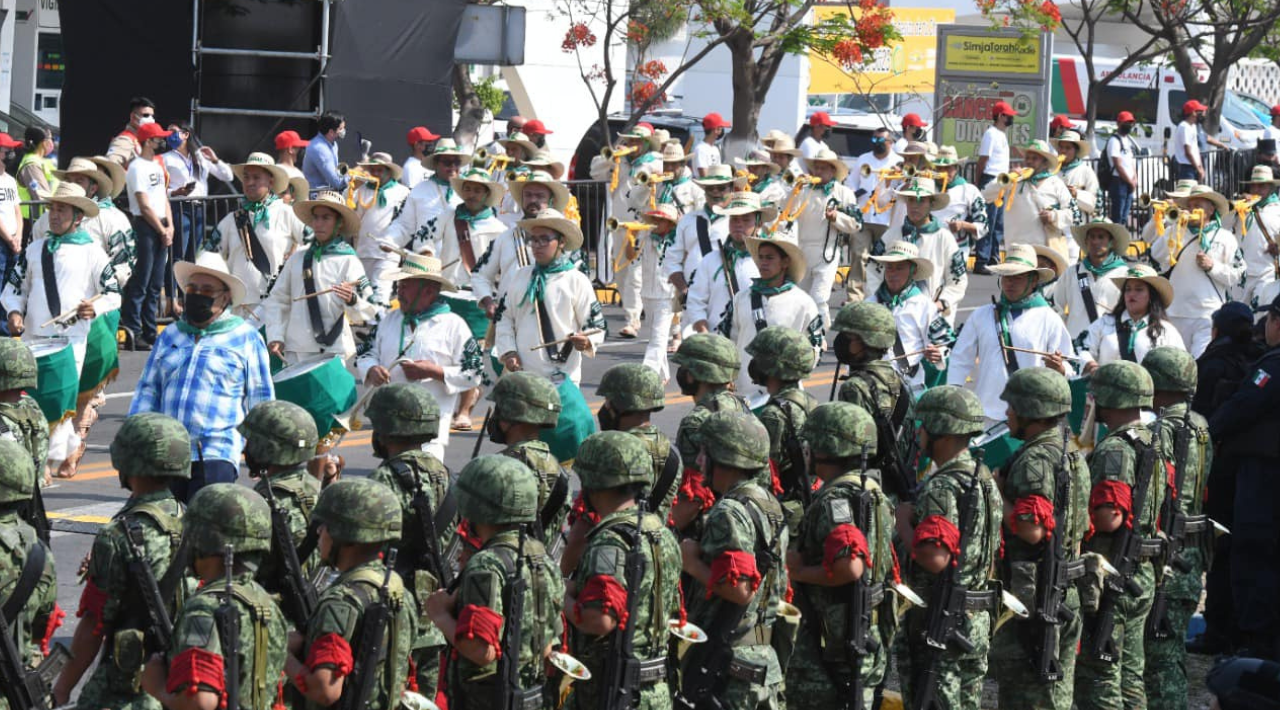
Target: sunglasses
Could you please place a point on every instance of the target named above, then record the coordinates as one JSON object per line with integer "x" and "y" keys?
{"x": 877, "y": 141}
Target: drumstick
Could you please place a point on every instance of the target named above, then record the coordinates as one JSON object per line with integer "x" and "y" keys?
{"x": 68, "y": 314}
{"x": 393, "y": 249}
{"x": 1041, "y": 353}
{"x": 562, "y": 341}
{"x": 321, "y": 292}
{"x": 907, "y": 355}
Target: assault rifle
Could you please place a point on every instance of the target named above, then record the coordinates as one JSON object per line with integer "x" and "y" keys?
{"x": 227, "y": 620}
{"x": 513, "y": 633}
{"x": 299, "y": 595}
{"x": 429, "y": 522}
{"x": 1126, "y": 557}
{"x": 797, "y": 478}
{"x": 26, "y": 689}
{"x": 370, "y": 647}
{"x": 858, "y": 642}
{"x": 622, "y": 668}
{"x": 1178, "y": 526}
{"x": 1052, "y": 580}
{"x": 159, "y": 626}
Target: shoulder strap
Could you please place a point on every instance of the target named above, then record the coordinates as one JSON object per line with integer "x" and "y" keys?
{"x": 50, "y": 282}
{"x": 325, "y": 338}
{"x": 1122, "y": 340}
{"x": 704, "y": 234}
{"x": 32, "y": 569}
{"x": 257, "y": 255}
{"x": 757, "y": 310}
{"x": 670, "y": 471}
{"x": 548, "y": 333}
{"x": 899, "y": 355}
{"x": 1086, "y": 292}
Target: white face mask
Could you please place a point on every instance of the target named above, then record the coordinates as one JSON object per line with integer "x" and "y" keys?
{"x": 342, "y": 133}
{"x": 144, "y": 120}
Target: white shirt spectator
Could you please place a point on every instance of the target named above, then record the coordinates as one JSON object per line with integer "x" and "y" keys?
{"x": 1184, "y": 139}
{"x": 704, "y": 156}
{"x": 414, "y": 172}
{"x": 810, "y": 146}
{"x": 182, "y": 172}
{"x": 9, "y": 205}
{"x": 1126, "y": 149}
{"x": 1271, "y": 132}
{"x": 995, "y": 146}
{"x": 146, "y": 176}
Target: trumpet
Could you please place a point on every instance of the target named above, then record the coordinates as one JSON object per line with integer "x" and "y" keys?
{"x": 1185, "y": 217}
{"x": 631, "y": 250}
{"x": 747, "y": 175}
{"x": 1241, "y": 207}
{"x": 359, "y": 177}
{"x": 613, "y": 223}
{"x": 790, "y": 211}
{"x": 1014, "y": 176}
{"x": 610, "y": 153}
{"x": 647, "y": 178}
{"x": 791, "y": 180}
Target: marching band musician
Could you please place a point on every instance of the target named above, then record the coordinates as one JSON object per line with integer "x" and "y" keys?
{"x": 377, "y": 203}
{"x": 679, "y": 190}
{"x": 414, "y": 226}
{"x": 922, "y": 331}
{"x": 725, "y": 272}
{"x": 322, "y": 288}
{"x": 764, "y": 180}
{"x": 1164, "y": 214}
{"x": 864, "y": 180}
{"x": 1037, "y": 203}
{"x": 966, "y": 212}
{"x": 103, "y": 181}
{"x": 699, "y": 234}
{"x": 1087, "y": 291}
{"x": 830, "y": 212}
{"x": 509, "y": 251}
{"x": 1080, "y": 179}
{"x": 782, "y": 151}
{"x": 1135, "y": 325}
{"x": 934, "y": 241}
{"x": 656, "y": 290}
{"x": 1261, "y": 230}
{"x": 914, "y": 157}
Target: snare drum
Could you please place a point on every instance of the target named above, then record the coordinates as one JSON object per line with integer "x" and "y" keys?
{"x": 575, "y": 424}
{"x": 57, "y": 382}
{"x": 1079, "y": 402}
{"x": 997, "y": 445}
{"x": 101, "y": 355}
{"x": 323, "y": 386}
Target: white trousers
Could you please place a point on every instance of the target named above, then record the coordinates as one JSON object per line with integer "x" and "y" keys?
{"x": 659, "y": 334}
{"x": 1195, "y": 332}
{"x": 820, "y": 279}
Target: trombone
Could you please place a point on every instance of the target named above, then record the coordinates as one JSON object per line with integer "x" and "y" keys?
{"x": 648, "y": 178}
{"x": 631, "y": 250}
{"x": 791, "y": 211}
{"x": 792, "y": 180}
{"x": 1160, "y": 209}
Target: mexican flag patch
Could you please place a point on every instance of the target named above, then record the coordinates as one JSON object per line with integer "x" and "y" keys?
{"x": 1261, "y": 378}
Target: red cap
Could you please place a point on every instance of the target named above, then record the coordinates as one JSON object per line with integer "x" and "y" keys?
{"x": 1002, "y": 108}
{"x": 1275, "y": 110}
{"x": 289, "y": 139}
{"x": 147, "y": 131}
{"x": 6, "y": 141}
{"x": 1060, "y": 121}
{"x": 1125, "y": 117}
{"x": 1192, "y": 106}
{"x": 418, "y": 134}
{"x": 714, "y": 120}
{"x": 821, "y": 118}
{"x": 913, "y": 120}
{"x": 535, "y": 128}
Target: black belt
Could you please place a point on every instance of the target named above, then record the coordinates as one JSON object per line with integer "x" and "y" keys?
{"x": 1195, "y": 525}
{"x": 753, "y": 674}
{"x": 1150, "y": 547}
{"x": 981, "y": 601}
{"x": 653, "y": 670}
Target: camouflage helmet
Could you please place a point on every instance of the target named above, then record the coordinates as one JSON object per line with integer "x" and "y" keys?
{"x": 709, "y": 357}
{"x": 404, "y": 409}
{"x": 1171, "y": 369}
{"x": 279, "y": 433}
{"x": 18, "y": 368}
{"x": 736, "y": 439}
{"x": 497, "y": 489}
{"x": 527, "y": 398}
{"x": 17, "y": 473}
{"x": 950, "y": 410}
{"x": 224, "y": 514}
{"x": 152, "y": 445}
{"x": 1121, "y": 385}
{"x": 783, "y": 353}
{"x": 1038, "y": 393}
{"x": 839, "y": 429}
{"x": 359, "y": 510}
{"x": 632, "y": 387}
{"x": 609, "y": 459}
{"x": 871, "y": 322}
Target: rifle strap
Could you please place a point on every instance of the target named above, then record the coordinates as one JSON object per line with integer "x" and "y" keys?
{"x": 259, "y": 257}
{"x": 322, "y": 336}
{"x": 32, "y": 570}
{"x": 758, "y": 312}
{"x": 670, "y": 472}
{"x": 555, "y": 500}
{"x": 704, "y": 235}
{"x": 1086, "y": 293}
{"x": 51, "y": 296}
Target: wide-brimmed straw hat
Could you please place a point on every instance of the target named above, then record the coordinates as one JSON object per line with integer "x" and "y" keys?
{"x": 665, "y": 210}
{"x": 1261, "y": 175}
{"x": 327, "y": 198}
{"x": 298, "y": 183}
{"x": 826, "y": 155}
{"x": 947, "y": 156}
{"x": 69, "y": 193}
{"x": 1042, "y": 148}
{"x": 212, "y": 264}
{"x": 673, "y": 152}
{"x": 444, "y": 147}
{"x": 521, "y": 140}
{"x": 119, "y": 177}
{"x": 716, "y": 175}
{"x": 787, "y": 243}
{"x": 1021, "y": 259}
{"x": 1205, "y": 192}
{"x": 91, "y": 170}
{"x": 556, "y": 221}
{"x": 384, "y": 160}
{"x": 279, "y": 178}
{"x": 740, "y": 203}
{"x": 422, "y": 266}
{"x": 921, "y": 148}
{"x": 901, "y": 251}
{"x": 780, "y": 143}
{"x": 480, "y": 177}
{"x": 1082, "y": 146}
{"x": 1055, "y": 257}
{"x": 542, "y": 160}
{"x": 759, "y": 159}
{"x": 1181, "y": 189}
{"x": 923, "y": 187}
{"x": 1120, "y": 236}
{"x": 559, "y": 193}
{"x": 1142, "y": 272}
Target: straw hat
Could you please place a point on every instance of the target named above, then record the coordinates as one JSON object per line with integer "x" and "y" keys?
{"x": 118, "y": 176}
{"x": 1042, "y": 148}
{"x": 384, "y": 160}
{"x": 1142, "y": 272}
{"x": 1054, "y": 256}
{"x": 554, "y": 220}
{"x": 673, "y": 152}
{"x": 89, "y": 169}
{"x": 1120, "y": 236}
{"x": 1261, "y": 175}
{"x": 327, "y": 198}
{"x": 781, "y": 143}
{"x": 72, "y": 194}
{"x": 901, "y": 251}
{"x": 759, "y": 158}
{"x": 1082, "y": 146}
{"x": 716, "y": 175}
{"x": 445, "y": 146}
{"x": 1180, "y": 190}
{"x": 521, "y": 140}
{"x": 559, "y": 193}
{"x": 279, "y": 178}
{"x": 480, "y": 177}
{"x": 422, "y": 266}
{"x": 212, "y": 264}
{"x": 665, "y": 211}
{"x": 1021, "y": 259}
{"x": 826, "y": 155}
{"x": 298, "y": 183}
{"x": 1205, "y": 192}
{"x": 787, "y": 243}
{"x": 921, "y": 148}
{"x": 947, "y": 156}
{"x": 542, "y": 159}
{"x": 740, "y": 203}
{"x": 924, "y": 187}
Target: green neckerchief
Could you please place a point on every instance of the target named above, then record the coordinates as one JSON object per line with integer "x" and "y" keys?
{"x": 448, "y": 186}
{"x": 336, "y": 246}
{"x": 643, "y": 160}
{"x": 1134, "y": 327}
{"x": 662, "y": 241}
{"x": 957, "y": 182}
{"x": 1271, "y": 199}
{"x": 461, "y": 212}
{"x": 411, "y": 320}
{"x": 891, "y": 300}
{"x": 258, "y": 210}
{"x": 538, "y": 281}
{"x": 221, "y": 324}
{"x": 1113, "y": 262}
{"x": 711, "y": 214}
{"x": 1203, "y": 231}
{"x": 912, "y": 233}
{"x": 733, "y": 254}
{"x": 382, "y": 191}
{"x": 764, "y": 183}
{"x": 828, "y": 187}
{"x": 1033, "y": 300}
{"x": 1072, "y": 165}
{"x": 105, "y": 203}
{"x": 760, "y": 287}
{"x": 53, "y": 241}
{"x": 1039, "y": 176}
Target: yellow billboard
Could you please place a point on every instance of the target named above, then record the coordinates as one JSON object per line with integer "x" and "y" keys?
{"x": 904, "y": 66}
{"x": 1006, "y": 55}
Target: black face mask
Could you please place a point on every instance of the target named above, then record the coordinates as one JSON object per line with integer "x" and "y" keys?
{"x": 379, "y": 448}
{"x": 496, "y": 435}
{"x": 756, "y": 374}
{"x": 688, "y": 385}
{"x": 841, "y": 346}
{"x": 197, "y": 308}
{"x": 1124, "y": 130}
{"x": 607, "y": 418}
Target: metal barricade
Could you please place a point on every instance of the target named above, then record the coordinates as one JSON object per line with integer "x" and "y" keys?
{"x": 592, "y": 196}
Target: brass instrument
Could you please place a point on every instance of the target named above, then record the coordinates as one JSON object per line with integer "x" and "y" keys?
{"x": 791, "y": 180}
{"x": 747, "y": 175}
{"x": 610, "y": 153}
{"x": 613, "y": 223}
{"x": 514, "y": 175}
{"x": 909, "y": 171}
{"x": 1242, "y": 207}
{"x": 631, "y": 250}
{"x": 790, "y": 211}
{"x": 360, "y": 177}
{"x": 1185, "y": 217}
{"x": 1009, "y": 185}
{"x": 647, "y": 178}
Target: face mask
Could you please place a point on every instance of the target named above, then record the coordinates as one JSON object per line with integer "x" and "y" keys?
{"x": 688, "y": 385}
{"x": 495, "y": 432}
{"x": 1124, "y": 130}
{"x": 842, "y": 349}
{"x": 197, "y": 308}
{"x": 173, "y": 140}
{"x": 144, "y": 120}
{"x": 163, "y": 147}
{"x": 756, "y": 374}
{"x": 342, "y": 133}
{"x": 608, "y": 420}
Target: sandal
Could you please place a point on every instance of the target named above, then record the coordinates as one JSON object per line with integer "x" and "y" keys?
{"x": 460, "y": 424}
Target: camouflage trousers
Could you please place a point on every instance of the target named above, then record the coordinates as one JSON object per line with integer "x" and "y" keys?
{"x": 426, "y": 669}
{"x": 1166, "y": 671}
{"x": 960, "y": 676}
{"x": 1014, "y": 669}
{"x": 811, "y": 684}
{"x": 1118, "y": 685}
{"x": 744, "y": 695}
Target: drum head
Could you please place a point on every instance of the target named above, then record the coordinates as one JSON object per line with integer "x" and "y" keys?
{"x": 302, "y": 368}
{"x": 42, "y": 347}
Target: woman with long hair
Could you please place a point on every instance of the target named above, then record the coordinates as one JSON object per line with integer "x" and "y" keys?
{"x": 189, "y": 164}
{"x": 1136, "y": 325}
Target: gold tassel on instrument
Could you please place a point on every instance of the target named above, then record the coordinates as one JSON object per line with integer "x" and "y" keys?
{"x": 360, "y": 177}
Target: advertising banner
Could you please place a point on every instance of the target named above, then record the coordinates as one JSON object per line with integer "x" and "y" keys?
{"x": 905, "y": 66}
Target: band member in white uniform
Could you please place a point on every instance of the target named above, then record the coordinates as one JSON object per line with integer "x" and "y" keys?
{"x": 377, "y": 204}
{"x": 1135, "y": 325}
{"x": 1086, "y": 291}
{"x": 950, "y": 280}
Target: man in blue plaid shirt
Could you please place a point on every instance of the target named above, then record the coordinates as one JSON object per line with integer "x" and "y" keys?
{"x": 207, "y": 371}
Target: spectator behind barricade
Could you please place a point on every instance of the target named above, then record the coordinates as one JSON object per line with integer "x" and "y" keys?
{"x": 1187, "y": 160}
{"x": 1273, "y": 131}
{"x": 707, "y": 153}
{"x": 1265, "y": 153}
{"x": 515, "y": 125}
{"x": 11, "y": 219}
{"x": 1059, "y": 124}
{"x": 421, "y": 140}
{"x": 537, "y": 132}
{"x": 126, "y": 146}
{"x": 820, "y": 124}
{"x": 35, "y": 170}
{"x": 288, "y": 143}
{"x": 993, "y": 159}
{"x": 320, "y": 162}
{"x": 153, "y": 233}
{"x": 189, "y": 163}
{"x": 1122, "y": 151}
{"x": 913, "y": 129}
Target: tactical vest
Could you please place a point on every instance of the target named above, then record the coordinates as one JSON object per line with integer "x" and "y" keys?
{"x": 363, "y": 587}
{"x": 768, "y": 521}
{"x": 261, "y": 609}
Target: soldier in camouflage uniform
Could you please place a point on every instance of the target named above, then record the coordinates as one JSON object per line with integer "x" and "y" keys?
{"x": 846, "y": 536}
{"x": 1121, "y": 390}
{"x": 525, "y": 403}
{"x": 39, "y": 615}
{"x": 219, "y": 516}
{"x": 1174, "y": 375}
{"x": 632, "y": 392}
{"x": 498, "y": 496}
{"x": 737, "y": 561}
{"x": 360, "y": 519}
{"x": 864, "y": 333}
{"x": 949, "y": 417}
{"x": 149, "y": 451}
{"x": 615, "y": 469}
{"x": 279, "y": 439}
{"x": 21, "y": 418}
{"x": 708, "y": 365}
{"x": 1031, "y": 480}
{"x": 780, "y": 358}
{"x": 404, "y": 416}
